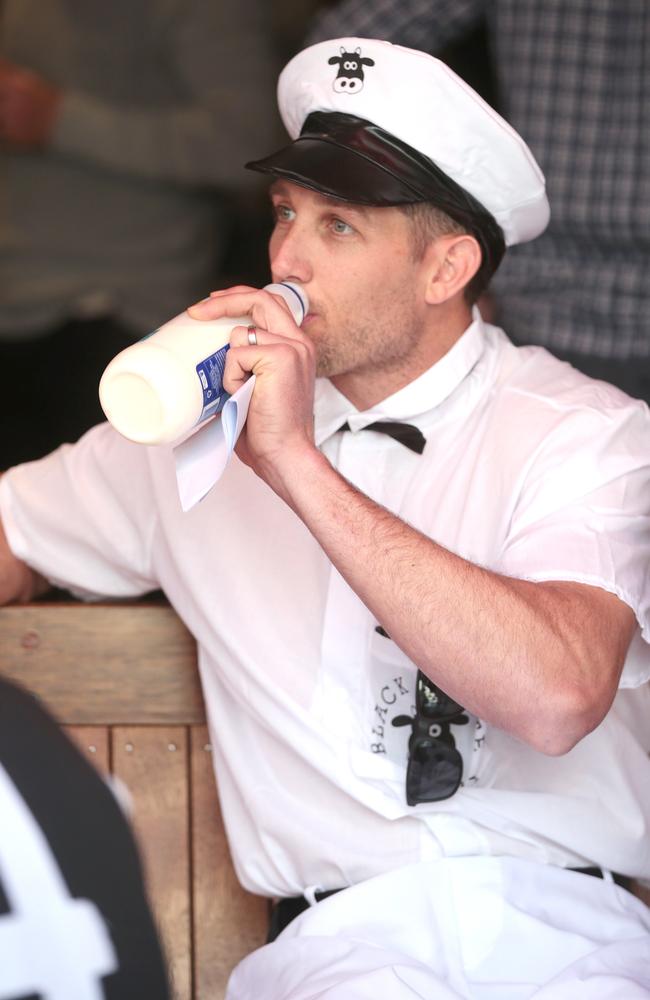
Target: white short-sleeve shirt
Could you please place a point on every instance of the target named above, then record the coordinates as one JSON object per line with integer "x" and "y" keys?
{"x": 530, "y": 470}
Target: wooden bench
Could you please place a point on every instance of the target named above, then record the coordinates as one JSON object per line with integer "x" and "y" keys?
{"x": 122, "y": 679}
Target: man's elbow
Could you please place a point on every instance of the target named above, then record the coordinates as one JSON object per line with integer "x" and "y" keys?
{"x": 19, "y": 584}
{"x": 20, "y": 588}
{"x": 573, "y": 711}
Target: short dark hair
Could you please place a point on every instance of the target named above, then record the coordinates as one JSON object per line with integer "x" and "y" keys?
{"x": 428, "y": 222}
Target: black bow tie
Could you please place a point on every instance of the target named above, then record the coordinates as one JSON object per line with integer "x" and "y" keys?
{"x": 408, "y": 435}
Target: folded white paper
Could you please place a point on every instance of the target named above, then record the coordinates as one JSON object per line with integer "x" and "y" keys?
{"x": 203, "y": 456}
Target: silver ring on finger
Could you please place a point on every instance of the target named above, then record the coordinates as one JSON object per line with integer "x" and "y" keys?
{"x": 252, "y": 336}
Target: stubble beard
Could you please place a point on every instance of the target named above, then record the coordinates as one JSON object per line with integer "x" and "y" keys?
{"x": 383, "y": 345}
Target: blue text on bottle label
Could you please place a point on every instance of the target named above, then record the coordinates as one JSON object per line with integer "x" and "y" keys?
{"x": 210, "y": 373}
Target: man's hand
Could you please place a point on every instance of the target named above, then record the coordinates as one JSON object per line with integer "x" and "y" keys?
{"x": 279, "y": 427}
{"x": 29, "y": 107}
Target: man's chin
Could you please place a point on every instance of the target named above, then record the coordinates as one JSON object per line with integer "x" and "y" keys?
{"x": 326, "y": 365}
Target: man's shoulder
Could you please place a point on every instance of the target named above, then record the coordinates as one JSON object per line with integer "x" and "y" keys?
{"x": 536, "y": 379}
{"x": 541, "y": 409}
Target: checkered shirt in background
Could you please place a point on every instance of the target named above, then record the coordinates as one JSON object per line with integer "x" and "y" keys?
{"x": 573, "y": 78}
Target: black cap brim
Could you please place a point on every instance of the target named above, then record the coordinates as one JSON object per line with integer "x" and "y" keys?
{"x": 341, "y": 172}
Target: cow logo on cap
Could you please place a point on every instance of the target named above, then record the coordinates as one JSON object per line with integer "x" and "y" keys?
{"x": 349, "y": 79}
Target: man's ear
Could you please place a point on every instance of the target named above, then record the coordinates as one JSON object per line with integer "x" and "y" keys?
{"x": 452, "y": 261}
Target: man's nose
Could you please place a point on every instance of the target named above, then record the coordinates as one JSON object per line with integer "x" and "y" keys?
{"x": 289, "y": 257}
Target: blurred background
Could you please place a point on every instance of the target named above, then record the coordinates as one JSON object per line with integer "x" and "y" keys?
{"x": 124, "y": 128}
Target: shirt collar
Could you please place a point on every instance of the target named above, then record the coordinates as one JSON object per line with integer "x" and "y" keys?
{"x": 425, "y": 393}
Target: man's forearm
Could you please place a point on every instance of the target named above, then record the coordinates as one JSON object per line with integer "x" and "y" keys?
{"x": 540, "y": 661}
{"x": 18, "y": 583}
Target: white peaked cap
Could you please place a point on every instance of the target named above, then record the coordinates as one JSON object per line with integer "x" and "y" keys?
{"x": 420, "y": 101}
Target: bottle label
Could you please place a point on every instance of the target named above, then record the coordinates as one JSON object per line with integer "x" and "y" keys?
{"x": 210, "y": 373}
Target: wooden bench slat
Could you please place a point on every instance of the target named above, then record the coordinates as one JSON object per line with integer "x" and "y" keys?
{"x": 228, "y": 922}
{"x": 97, "y": 664}
{"x": 93, "y": 741}
{"x": 153, "y": 764}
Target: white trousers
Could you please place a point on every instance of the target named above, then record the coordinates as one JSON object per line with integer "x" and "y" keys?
{"x": 475, "y": 928}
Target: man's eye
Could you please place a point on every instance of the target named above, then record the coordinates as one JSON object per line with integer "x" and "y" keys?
{"x": 283, "y": 213}
{"x": 340, "y": 227}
